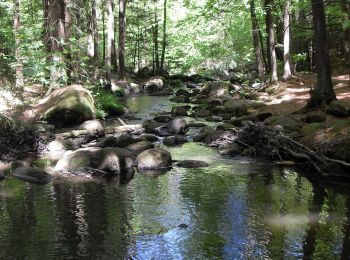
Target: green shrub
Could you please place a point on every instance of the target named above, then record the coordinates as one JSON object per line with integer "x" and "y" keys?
{"x": 107, "y": 104}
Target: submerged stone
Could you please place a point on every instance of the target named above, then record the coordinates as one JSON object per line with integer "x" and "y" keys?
{"x": 32, "y": 174}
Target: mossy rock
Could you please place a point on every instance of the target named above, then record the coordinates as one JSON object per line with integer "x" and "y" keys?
{"x": 68, "y": 106}
{"x": 289, "y": 123}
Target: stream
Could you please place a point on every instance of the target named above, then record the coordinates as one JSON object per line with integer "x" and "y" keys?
{"x": 237, "y": 208}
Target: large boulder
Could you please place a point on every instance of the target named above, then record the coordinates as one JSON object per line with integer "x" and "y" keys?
{"x": 66, "y": 106}
{"x": 217, "y": 89}
{"x": 230, "y": 149}
{"x": 176, "y": 126}
{"x": 153, "y": 159}
{"x": 151, "y": 126}
{"x": 32, "y": 174}
{"x": 111, "y": 160}
{"x": 153, "y": 84}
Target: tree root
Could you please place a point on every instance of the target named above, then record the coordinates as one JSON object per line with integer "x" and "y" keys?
{"x": 272, "y": 143}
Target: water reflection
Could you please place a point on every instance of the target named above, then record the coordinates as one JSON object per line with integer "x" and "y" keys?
{"x": 234, "y": 209}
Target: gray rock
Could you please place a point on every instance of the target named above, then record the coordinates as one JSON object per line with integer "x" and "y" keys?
{"x": 147, "y": 137}
{"x": 176, "y": 126}
{"x": 163, "y": 118}
{"x": 179, "y": 111}
{"x": 111, "y": 160}
{"x": 174, "y": 140}
{"x": 151, "y": 125}
{"x": 2, "y": 176}
{"x": 230, "y": 149}
{"x": 153, "y": 159}
{"x": 111, "y": 141}
{"x": 196, "y": 124}
{"x": 180, "y": 99}
{"x": 137, "y": 148}
{"x": 154, "y": 84}
{"x": 191, "y": 164}
{"x": 202, "y": 113}
{"x": 183, "y": 92}
{"x": 93, "y": 127}
{"x": 32, "y": 174}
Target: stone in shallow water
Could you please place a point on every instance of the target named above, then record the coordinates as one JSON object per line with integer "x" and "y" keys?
{"x": 177, "y": 126}
{"x": 230, "y": 149}
{"x": 2, "y": 176}
{"x": 174, "y": 140}
{"x": 93, "y": 127}
{"x": 139, "y": 147}
{"x": 32, "y": 174}
{"x": 191, "y": 164}
{"x": 153, "y": 159}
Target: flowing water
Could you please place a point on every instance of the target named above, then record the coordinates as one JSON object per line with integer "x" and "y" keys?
{"x": 238, "y": 208}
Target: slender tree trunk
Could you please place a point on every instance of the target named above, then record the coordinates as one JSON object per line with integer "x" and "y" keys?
{"x": 155, "y": 39}
{"x": 57, "y": 36}
{"x": 286, "y": 41}
{"x": 18, "y": 53}
{"x": 114, "y": 50}
{"x": 103, "y": 32}
{"x": 164, "y": 36}
{"x": 122, "y": 36}
{"x": 346, "y": 8}
{"x": 323, "y": 92}
{"x": 70, "y": 66}
{"x": 271, "y": 39}
{"x": 256, "y": 43}
{"x": 94, "y": 29}
{"x": 110, "y": 37}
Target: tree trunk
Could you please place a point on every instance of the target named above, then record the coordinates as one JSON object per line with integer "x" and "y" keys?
{"x": 286, "y": 41}
{"x": 94, "y": 29}
{"x": 122, "y": 36}
{"x": 256, "y": 43}
{"x": 155, "y": 39}
{"x": 110, "y": 37}
{"x": 57, "y": 36}
{"x": 323, "y": 92}
{"x": 114, "y": 50}
{"x": 70, "y": 66}
{"x": 271, "y": 40}
{"x": 164, "y": 36}
{"x": 346, "y": 9}
{"x": 103, "y": 32}
{"x": 18, "y": 53}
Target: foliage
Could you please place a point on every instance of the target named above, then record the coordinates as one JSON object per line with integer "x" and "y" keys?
{"x": 107, "y": 104}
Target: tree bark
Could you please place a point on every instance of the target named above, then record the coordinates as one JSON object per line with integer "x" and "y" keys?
{"x": 346, "y": 9}
{"x": 56, "y": 39}
{"x": 271, "y": 40}
{"x": 323, "y": 92}
{"x": 287, "y": 73}
{"x": 103, "y": 32}
{"x": 162, "y": 59}
{"x": 155, "y": 39}
{"x": 18, "y": 52}
{"x": 110, "y": 37}
{"x": 256, "y": 42}
{"x": 122, "y": 36}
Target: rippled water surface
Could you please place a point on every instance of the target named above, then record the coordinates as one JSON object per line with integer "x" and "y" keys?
{"x": 235, "y": 209}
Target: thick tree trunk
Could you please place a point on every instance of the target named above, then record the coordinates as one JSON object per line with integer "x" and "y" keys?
{"x": 323, "y": 92}
{"x": 271, "y": 40}
{"x": 122, "y": 36}
{"x": 162, "y": 59}
{"x": 57, "y": 36}
{"x": 18, "y": 53}
{"x": 286, "y": 42}
{"x": 110, "y": 37}
{"x": 114, "y": 49}
{"x": 94, "y": 29}
{"x": 70, "y": 65}
{"x": 257, "y": 48}
{"x": 155, "y": 39}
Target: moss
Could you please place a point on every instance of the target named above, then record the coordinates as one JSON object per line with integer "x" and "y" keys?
{"x": 107, "y": 104}
{"x": 312, "y": 128}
